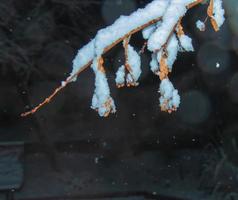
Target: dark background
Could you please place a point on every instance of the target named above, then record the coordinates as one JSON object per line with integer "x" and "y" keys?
{"x": 69, "y": 150}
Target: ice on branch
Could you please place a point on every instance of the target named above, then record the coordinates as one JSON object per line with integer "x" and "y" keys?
{"x": 170, "y": 99}
{"x": 161, "y": 25}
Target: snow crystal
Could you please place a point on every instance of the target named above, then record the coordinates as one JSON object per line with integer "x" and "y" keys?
{"x": 174, "y": 12}
{"x": 200, "y": 25}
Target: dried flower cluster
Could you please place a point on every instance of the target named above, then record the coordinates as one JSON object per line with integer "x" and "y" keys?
{"x": 161, "y": 25}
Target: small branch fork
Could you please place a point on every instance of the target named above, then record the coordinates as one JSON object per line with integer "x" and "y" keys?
{"x": 108, "y": 48}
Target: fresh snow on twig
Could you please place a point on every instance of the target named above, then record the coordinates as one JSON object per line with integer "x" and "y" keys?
{"x": 175, "y": 11}
{"x": 172, "y": 51}
{"x": 120, "y": 28}
{"x": 120, "y": 76}
{"x": 219, "y": 13}
{"x": 125, "y": 24}
{"x": 134, "y": 62}
{"x": 161, "y": 21}
{"x": 186, "y": 43}
{"x": 169, "y": 99}
{"x": 154, "y": 65}
{"x": 102, "y": 101}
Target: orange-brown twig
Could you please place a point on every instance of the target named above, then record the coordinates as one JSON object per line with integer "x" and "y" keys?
{"x": 56, "y": 91}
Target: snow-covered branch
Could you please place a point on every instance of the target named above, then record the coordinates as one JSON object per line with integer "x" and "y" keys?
{"x": 161, "y": 25}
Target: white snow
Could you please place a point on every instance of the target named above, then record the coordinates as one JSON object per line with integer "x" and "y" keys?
{"x": 120, "y": 76}
{"x": 101, "y": 93}
{"x": 172, "y": 49}
{"x": 134, "y": 61}
{"x": 186, "y": 43}
{"x": 170, "y": 98}
{"x": 218, "y": 12}
{"x": 146, "y": 33}
{"x": 154, "y": 65}
{"x": 159, "y": 34}
{"x": 174, "y": 12}
{"x": 83, "y": 57}
{"x": 125, "y": 24}
{"x": 200, "y": 25}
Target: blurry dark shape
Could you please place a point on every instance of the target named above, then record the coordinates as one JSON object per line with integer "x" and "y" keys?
{"x": 213, "y": 60}
{"x": 232, "y": 15}
{"x": 119, "y": 7}
{"x": 195, "y": 107}
{"x": 222, "y": 38}
{"x": 232, "y": 88}
{"x": 55, "y": 59}
{"x": 11, "y": 167}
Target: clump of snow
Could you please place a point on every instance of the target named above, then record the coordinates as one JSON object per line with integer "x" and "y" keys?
{"x": 172, "y": 51}
{"x": 102, "y": 101}
{"x": 63, "y": 83}
{"x": 83, "y": 57}
{"x": 174, "y": 12}
{"x": 218, "y": 12}
{"x": 201, "y": 25}
{"x": 170, "y": 99}
{"x": 148, "y": 31}
{"x": 154, "y": 65}
{"x": 186, "y": 43}
{"x": 134, "y": 62}
{"x": 120, "y": 76}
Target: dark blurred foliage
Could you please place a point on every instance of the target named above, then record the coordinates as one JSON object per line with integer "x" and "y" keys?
{"x": 39, "y": 39}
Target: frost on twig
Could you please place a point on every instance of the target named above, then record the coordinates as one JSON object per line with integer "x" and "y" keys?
{"x": 161, "y": 25}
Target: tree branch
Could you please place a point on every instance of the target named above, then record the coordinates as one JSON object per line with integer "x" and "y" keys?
{"x": 108, "y": 48}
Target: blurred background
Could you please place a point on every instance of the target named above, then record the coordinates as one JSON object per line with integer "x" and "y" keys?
{"x": 138, "y": 153}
